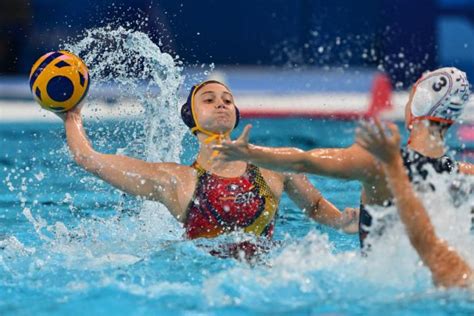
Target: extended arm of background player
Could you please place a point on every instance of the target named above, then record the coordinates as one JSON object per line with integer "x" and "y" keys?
{"x": 310, "y": 200}
{"x": 447, "y": 267}
{"x": 153, "y": 181}
{"x": 352, "y": 163}
{"x": 348, "y": 163}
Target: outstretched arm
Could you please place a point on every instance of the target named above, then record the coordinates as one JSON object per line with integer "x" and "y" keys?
{"x": 310, "y": 200}
{"x": 346, "y": 163}
{"x": 153, "y": 181}
{"x": 448, "y": 268}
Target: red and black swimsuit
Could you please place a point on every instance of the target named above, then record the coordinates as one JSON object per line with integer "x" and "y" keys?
{"x": 221, "y": 205}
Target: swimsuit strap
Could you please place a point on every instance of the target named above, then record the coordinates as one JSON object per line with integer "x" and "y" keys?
{"x": 200, "y": 170}
{"x": 257, "y": 178}
{"x": 260, "y": 225}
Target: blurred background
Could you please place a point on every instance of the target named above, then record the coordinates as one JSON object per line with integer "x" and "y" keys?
{"x": 261, "y": 46}
{"x": 302, "y": 72}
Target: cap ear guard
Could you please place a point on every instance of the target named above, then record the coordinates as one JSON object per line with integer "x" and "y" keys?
{"x": 186, "y": 111}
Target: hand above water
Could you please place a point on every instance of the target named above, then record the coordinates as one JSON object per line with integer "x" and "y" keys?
{"x": 74, "y": 112}
{"x": 238, "y": 149}
{"x": 350, "y": 220}
{"x": 383, "y": 145}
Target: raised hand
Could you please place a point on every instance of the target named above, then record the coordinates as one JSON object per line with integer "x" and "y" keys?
{"x": 374, "y": 139}
{"x": 235, "y": 150}
{"x": 75, "y": 111}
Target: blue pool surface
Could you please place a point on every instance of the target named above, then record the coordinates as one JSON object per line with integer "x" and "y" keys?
{"x": 89, "y": 249}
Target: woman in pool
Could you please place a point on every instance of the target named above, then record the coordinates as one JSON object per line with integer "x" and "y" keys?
{"x": 435, "y": 103}
{"x": 210, "y": 197}
{"x": 448, "y": 268}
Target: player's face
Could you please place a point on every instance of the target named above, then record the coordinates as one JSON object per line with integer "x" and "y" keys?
{"x": 215, "y": 109}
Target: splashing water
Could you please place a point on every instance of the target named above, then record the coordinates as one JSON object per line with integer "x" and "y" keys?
{"x": 309, "y": 270}
{"x": 152, "y": 78}
{"x": 130, "y": 60}
{"x": 147, "y": 79}
{"x": 106, "y": 257}
{"x": 133, "y": 255}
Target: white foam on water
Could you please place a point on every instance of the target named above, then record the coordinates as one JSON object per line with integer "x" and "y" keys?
{"x": 304, "y": 270}
{"x": 155, "y": 290}
{"x": 37, "y": 222}
{"x": 311, "y": 266}
{"x": 12, "y": 247}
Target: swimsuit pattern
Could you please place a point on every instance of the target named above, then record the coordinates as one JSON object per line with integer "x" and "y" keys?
{"x": 222, "y": 205}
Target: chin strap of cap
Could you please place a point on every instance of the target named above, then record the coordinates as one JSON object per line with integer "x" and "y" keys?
{"x": 430, "y": 118}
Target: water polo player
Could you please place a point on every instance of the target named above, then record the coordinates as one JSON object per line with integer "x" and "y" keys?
{"x": 435, "y": 103}
{"x": 448, "y": 268}
{"x": 210, "y": 197}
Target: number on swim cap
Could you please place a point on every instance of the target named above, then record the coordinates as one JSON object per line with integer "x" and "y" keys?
{"x": 442, "y": 94}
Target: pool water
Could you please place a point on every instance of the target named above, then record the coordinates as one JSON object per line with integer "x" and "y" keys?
{"x": 71, "y": 244}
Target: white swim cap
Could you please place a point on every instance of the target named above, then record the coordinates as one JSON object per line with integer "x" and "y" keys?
{"x": 440, "y": 95}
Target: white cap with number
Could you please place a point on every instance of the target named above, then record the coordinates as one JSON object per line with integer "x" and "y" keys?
{"x": 440, "y": 95}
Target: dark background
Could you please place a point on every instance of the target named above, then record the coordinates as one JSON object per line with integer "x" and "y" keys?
{"x": 401, "y": 37}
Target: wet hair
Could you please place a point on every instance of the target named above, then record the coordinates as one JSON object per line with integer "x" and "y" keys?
{"x": 186, "y": 109}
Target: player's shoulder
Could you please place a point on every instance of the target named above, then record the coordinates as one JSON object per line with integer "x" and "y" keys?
{"x": 172, "y": 168}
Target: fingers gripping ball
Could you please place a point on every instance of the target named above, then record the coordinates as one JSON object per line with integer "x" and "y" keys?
{"x": 59, "y": 81}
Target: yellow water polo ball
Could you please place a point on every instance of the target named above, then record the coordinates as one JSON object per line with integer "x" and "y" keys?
{"x": 59, "y": 81}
